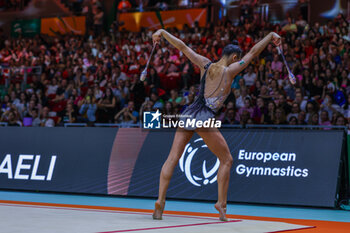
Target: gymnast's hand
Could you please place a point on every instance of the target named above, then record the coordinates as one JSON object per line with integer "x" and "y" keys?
{"x": 276, "y": 39}
{"x": 156, "y": 36}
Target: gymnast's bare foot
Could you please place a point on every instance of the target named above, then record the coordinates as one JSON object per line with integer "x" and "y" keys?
{"x": 158, "y": 210}
{"x": 222, "y": 211}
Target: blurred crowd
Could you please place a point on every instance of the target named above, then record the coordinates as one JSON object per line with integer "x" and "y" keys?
{"x": 9, "y": 5}
{"x": 80, "y": 6}
{"x": 95, "y": 78}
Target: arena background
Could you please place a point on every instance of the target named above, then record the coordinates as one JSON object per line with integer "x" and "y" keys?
{"x": 69, "y": 84}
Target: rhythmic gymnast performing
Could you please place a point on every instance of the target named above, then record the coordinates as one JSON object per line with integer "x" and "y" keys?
{"x": 215, "y": 86}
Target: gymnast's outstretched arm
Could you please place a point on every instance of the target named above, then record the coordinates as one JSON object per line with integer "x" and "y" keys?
{"x": 237, "y": 67}
{"x": 180, "y": 45}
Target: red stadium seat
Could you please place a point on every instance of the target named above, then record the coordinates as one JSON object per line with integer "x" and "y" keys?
{"x": 51, "y": 96}
{"x": 83, "y": 91}
{"x": 170, "y": 82}
{"x": 58, "y": 107}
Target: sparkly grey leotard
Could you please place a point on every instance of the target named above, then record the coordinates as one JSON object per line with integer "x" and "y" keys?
{"x": 214, "y": 99}
{"x": 203, "y": 107}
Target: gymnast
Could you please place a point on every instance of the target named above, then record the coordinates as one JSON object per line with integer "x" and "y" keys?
{"x": 215, "y": 86}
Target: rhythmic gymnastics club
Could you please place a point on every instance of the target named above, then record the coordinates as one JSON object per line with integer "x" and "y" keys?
{"x": 144, "y": 72}
{"x": 291, "y": 76}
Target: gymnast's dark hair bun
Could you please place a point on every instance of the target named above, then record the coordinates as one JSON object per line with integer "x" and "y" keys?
{"x": 232, "y": 49}
{"x": 235, "y": 42}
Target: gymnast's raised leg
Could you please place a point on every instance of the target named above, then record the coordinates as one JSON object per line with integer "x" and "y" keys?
{"x": 182, "y": 137}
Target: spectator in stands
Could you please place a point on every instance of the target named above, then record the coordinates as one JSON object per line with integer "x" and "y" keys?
{"x": 168, "y": 108}
{"x": 290, "y": 26}
{"x": 255, "y": 89}
{"x": 137, "y": 89}
{"x": 313, "y": 119}
{"x": 250, "y": 76}
{"x": 52, "y": 87}
{"x": 146, "y": 106}
{"x": 46, "y": 121}
{"x": 310, "y": 110}
{"x": 106, "y": 107}
{"x": 28, "y": 112}
{"x": 269, "y": 117}
{"x": 301, "y": 23}
{"x": 125, "y": 117}
{"x": 98, "y": 20}
{"x": 21, "y": 104}
{"x": 241, "y": 95}
{"x": 121, "y": 92}
{"x": 75, "y": 97}
{"x": 280, "y": 117}
{"x": 245, "y": 118}
{"x": 11, "y": 117}
{"x": 72, "y": 65}
{"x": 314, "y": 87}
{"x": 158, "y": 103}
{"x": 274, "y": 89}
{"x": 153, "y": 80}
{"x": 131, "y": 108}
{"x": 5, "y": 103}
{"x": 186, "y": 68}
{"x": 60, "y": 92}
{"x": 248, "y": 107}
{"x": 329, "y": 106}
{"x": 293, "y": 121}
{"x": 264, "y": 93}
{"x": 341, "y": 121}
{"x": 221, "y": 115}
{"x": 276, "y": 64}
{"x": 35, "y": 118}
{"x": 346, "y": 109}
{"x": 98, "y": 93}
{"x": 295, "y": 111}
{"x": 259, "y": 110}
{"x": 282, "y": 103}
{"x": 68, "y": 115}
{"x": 175, "y": 99}
{"x": 324, "y": 118}
{"x": 118, "y": 74}
{"x": 301, "y": 118}
{"x": 230, "y": 117}
{"x": 88, "y": 108}
{"x": 299, "y": 99}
